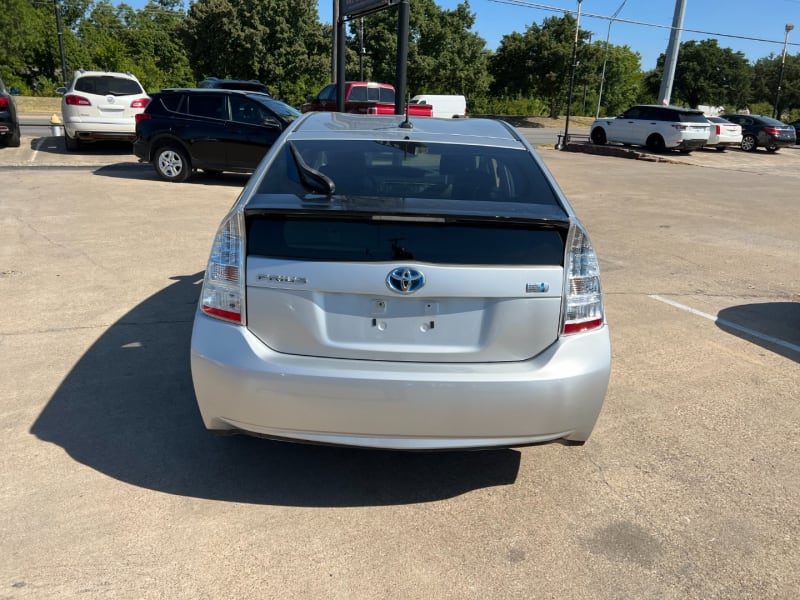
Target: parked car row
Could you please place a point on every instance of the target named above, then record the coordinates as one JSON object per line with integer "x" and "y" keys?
{"x": 660, "y": 128}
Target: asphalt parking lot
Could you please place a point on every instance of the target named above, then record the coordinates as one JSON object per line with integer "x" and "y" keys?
{"x": 688, "y": 488}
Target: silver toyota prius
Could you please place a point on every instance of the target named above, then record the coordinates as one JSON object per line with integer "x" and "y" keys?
{"x": 415, "y": 284}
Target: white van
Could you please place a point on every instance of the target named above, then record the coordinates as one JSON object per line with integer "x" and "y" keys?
{"x": 444, "y": 107}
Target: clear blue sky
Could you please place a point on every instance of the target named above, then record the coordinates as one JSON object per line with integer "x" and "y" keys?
{"x": 761, "y": 19}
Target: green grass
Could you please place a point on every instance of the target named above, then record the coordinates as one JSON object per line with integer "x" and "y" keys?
{"x": 29, "y": 104}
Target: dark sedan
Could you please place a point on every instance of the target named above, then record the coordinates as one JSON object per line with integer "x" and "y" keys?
{"x": 210, "y": 129}
{"x": 9, "y": 122}
{"x": 766, "y": 132}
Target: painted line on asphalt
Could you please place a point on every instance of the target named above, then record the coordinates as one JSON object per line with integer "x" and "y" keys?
{"x": 729, "y": 324}
{"x": 36, "y": 150}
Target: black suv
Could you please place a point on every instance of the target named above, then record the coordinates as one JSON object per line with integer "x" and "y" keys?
{"x": 9, "y": 123}
{"x": 250, "y": 85}
{"x": 210, "y": 129}
{"x": 758, "y": 130}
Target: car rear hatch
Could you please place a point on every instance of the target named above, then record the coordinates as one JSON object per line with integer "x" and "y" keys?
{"x": 374, "y": 283}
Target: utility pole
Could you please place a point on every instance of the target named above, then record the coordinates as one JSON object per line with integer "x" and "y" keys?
{"x": 335, "y": 44}
{"x": 671, "y": 58}
{"x": 57, "y": 7}
{"x": 572, "y": 76}
{"x": 605, "y": 60}
{"x": 776, "y": 111}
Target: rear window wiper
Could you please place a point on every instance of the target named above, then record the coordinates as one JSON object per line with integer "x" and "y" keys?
{"x": 311, "y": 179}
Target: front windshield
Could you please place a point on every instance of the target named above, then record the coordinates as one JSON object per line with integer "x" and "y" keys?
{"x": 283, "y": 110}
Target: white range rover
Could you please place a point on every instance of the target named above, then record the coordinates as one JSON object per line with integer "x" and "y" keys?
{"x": 656, "y": 127}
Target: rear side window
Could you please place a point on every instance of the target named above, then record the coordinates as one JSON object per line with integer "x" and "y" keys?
{"x": 107, "y": 85}
{"x": 171, "y": 102}
{"x": 207, "y": 105}
{"x": 411, "y": 169}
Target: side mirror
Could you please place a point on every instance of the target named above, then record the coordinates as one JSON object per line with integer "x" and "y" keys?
{"x": 14, "y": 91}
{"x": 61, "y": 90}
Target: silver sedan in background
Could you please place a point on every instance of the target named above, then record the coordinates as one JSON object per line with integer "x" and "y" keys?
{"x": 408, "y": 284}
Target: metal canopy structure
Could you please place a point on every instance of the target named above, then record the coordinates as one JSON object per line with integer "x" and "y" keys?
{"x": 352, "y": 9}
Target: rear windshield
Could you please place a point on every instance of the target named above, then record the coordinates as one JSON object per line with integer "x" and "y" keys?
{"x": 691, "y": 117}
{"x": 400, "y": 169}
{"x": 327, "y": 238}
{"x": 108, "y": 85}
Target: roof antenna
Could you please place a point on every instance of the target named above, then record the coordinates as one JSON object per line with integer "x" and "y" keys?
{"x": 407, "y": 124}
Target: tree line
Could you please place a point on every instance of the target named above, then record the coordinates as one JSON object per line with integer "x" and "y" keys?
{"x": 284, "y": 44}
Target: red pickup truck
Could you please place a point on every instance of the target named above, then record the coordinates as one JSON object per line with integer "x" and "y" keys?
{"x": 364, "y": 98}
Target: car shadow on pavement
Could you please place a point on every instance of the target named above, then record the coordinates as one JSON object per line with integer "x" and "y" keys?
{"x": 135, "y": 170}
{"x": 127, "y": 409}
{"x": 774, "y": 326}
{"x": 55, "y": 145}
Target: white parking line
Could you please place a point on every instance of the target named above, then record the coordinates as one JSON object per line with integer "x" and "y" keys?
{"x": 36, "y": 150}
{"x": 745, "y": 330}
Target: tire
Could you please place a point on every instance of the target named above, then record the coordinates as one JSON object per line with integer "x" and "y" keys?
{"x": 15, "y": 139}
{"x": 598, "y": 136}
{"x": 70, "y": 143}
{"x": 749, "y": 143}
{"x": 772, "y": 149}
{"x": 655, "y": 143}
{"x": 721, "y": 148}
{"x": 172, "y": 164}
{"x": 684, "y": 151}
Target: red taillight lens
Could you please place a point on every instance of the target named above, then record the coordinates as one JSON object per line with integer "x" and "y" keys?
{"x": 140, "y": 103}
{"x": 73, "y": 100}
{"x": 3, "y": 102}
{"x": 771, "y": 130}
{"x": 141, "y": 117}
{"x": 719, "y": 129}
{"x": 583, "y": 300}
{"x": 223, "y": 287}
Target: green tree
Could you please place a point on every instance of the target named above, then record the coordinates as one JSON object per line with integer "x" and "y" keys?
{"x": 278, "y": 42}
{"x": 706, "y": 74}
{"x": 444, "y": 56}
{"x": 539, "y": 61}
{"x": 766, "y": 73}
{"x": 623, "y": 79}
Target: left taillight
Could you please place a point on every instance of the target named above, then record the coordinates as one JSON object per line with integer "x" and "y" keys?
{"x": 75, "y": 100}
{"x": 583, "y": 299}
{"x": 223, "y": 286}
{"x": 4, "y": 102}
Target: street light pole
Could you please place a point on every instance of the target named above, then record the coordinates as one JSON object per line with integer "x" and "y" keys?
{"x": 776, "y": 111}
{"x": 605, "y": 60}
{"x": 572, "y": 76}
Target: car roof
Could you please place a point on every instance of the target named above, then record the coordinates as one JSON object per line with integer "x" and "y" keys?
{"x": 195, "y": 90}
{"x": 333, "y": 125}
{"x": 669, "y": 107}
{"x": 84, "y": 73}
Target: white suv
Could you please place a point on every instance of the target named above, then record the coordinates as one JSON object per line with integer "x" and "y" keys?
{"x": 656, "y": 127}
{"x": 101, "y": 105}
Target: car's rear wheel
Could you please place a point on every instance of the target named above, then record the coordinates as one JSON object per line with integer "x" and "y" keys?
{"x": 721, "y": 148}
{"x": 772, "y": 148}
{"x": 655, "y": 143}
{"x": 598, "y": 136}
{"x": 749, "y": 143}
{"x": 172, "y": 164}
{"x": 14, "y": 138}
{"x": 70, "y": 143}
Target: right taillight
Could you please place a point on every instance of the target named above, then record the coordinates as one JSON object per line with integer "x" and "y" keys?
{"x": 223, "y": 287}
{"x": 583, "y": 299}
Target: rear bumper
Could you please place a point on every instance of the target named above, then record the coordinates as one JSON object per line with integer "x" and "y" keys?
{"x": 97, "y": 130}
{"x": 241, "y": 385}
